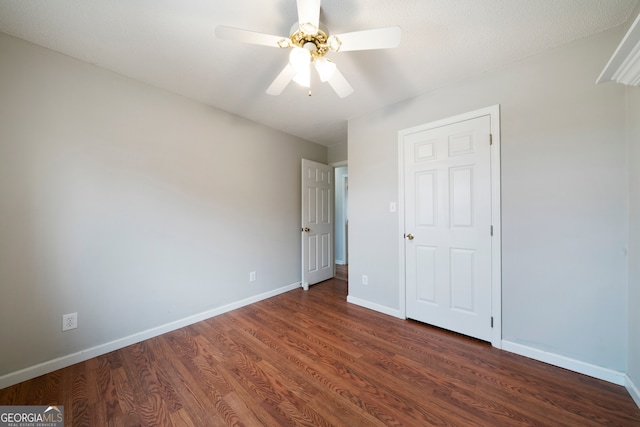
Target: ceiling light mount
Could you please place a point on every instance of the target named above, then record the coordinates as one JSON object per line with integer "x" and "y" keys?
{"x": 320, "y": 39}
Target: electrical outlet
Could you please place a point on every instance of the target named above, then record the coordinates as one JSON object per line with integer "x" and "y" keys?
{"x": 69, "y": 321}
{"x": 365, "y": 279}
{"x": 252, "y": 276}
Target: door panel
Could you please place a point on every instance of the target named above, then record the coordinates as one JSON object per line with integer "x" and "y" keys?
{"x": 462, "y": 279}
{"x": 317, "y": 223}
{"x": 461, "y": 191}
{"x": 426, "y": 190}
{"x": 426, "y": 263}
{"x": 448, "y": 212}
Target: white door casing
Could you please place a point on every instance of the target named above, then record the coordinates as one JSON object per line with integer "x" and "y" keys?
{"x": 450, "y": 216}
{"x": 317, "y": 222}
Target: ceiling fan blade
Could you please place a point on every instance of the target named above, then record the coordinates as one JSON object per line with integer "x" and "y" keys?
{"x": 340, "y": 84}
{"x": 309, "y": 12}
{"x": 379, "y": 38}
{"x": 246, "y": 36}
{"x": 283, "y": 79}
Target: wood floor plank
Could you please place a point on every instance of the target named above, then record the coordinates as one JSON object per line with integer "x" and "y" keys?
{"x": 202, "y": 408}
{"x": 181, "y": 418}
{"x": 124, "y": 392}
{"x": 79, "y": 408}
{"x": 312, "y": 359}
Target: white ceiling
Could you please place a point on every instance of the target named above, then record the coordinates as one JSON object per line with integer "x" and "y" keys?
{"x": 171, "y": 44}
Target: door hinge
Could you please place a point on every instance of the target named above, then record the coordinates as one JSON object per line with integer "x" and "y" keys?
{"x": 490, "y": 139}
{"x": 492, "y": 321}
{"x": 492, "y": 230}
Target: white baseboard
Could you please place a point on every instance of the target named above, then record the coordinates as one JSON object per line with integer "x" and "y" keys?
{"x": 633, "y": 390}
{"x": 71, "y": 359}
{"x": 375, "y": 307}
{"x": 566, "y": 363}
{"x": 340, "y": 262}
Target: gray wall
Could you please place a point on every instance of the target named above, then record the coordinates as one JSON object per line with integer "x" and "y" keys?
{"x": 633, "y": 96}
{"x": 337, "y": 153}
{"x": 132, "y": 206}
{"x": 564, "y": 199}
{"x": 633, "y": 123}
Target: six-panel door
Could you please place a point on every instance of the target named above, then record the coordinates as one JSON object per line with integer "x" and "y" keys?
{"x": 448, "y": 212}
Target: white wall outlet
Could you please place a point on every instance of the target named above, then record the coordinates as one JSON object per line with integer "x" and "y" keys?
{"x": 365, "y": 279}
{"x": 69, "y": 321}
{"x": 252, "y": 276}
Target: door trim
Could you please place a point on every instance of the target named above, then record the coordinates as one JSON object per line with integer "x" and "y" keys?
{"x": 496, "y": 245}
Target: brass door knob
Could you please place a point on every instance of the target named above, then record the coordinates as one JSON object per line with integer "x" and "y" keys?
{"x": 409, "y": 236}
{"x": 306, "y": 229}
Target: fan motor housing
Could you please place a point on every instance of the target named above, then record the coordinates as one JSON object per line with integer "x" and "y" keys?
{"x": 320, "y": 39}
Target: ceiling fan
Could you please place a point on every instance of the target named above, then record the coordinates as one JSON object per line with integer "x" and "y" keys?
{"x": 309, "y": 43}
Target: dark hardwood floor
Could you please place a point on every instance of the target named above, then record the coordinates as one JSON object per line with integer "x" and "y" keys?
{"x": 310, "y": 358}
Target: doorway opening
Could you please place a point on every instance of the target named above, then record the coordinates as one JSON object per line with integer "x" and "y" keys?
{"x": 341, "y": 216}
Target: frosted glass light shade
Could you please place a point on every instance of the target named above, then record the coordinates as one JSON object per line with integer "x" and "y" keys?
{"x": 299, "y": 58}
{"x": 325, "y": 68}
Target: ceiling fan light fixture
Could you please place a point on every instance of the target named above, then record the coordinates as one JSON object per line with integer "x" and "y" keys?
{"x": 325, "y": 68}
{"x": 309, "y": 41}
